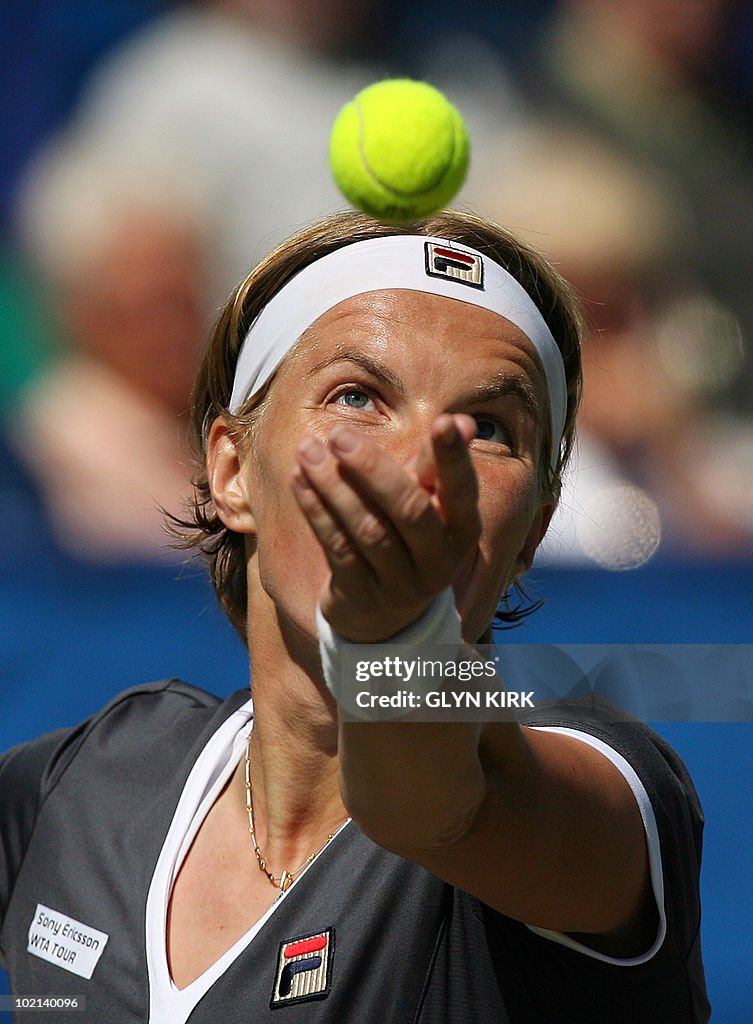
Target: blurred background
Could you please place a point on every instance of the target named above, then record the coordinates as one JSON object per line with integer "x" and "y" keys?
{"x": 152, "y": 152}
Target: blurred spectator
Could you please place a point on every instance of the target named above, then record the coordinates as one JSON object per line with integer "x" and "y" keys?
{"x": 242, "y": 93}
{"x": 120, "y": 241}
{"x": 649, "y": 79}
{"x": 654, "y": 462}
{"x": 46, "y": 50}
{"x": 236, "y": 98}
{"x": 476, "y": 42}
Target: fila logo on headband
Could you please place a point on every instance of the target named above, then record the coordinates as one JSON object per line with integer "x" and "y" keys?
{"x": 444, "y": 261}
{"x": 304, "y": 968}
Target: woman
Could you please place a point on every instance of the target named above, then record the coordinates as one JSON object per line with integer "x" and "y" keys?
{"x": 383, "y": 416}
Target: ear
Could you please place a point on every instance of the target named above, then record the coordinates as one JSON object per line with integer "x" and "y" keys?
{"x": 227, "y": 482}
{"x": 535, "y": 536}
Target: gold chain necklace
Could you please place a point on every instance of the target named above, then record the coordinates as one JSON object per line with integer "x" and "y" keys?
{"x": 285, "y": 879}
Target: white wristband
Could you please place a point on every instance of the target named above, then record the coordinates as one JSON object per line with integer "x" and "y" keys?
{"x": 440, "y": 624}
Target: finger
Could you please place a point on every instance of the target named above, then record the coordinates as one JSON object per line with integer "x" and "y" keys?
{"x": 424, "y": 464}
{"x": 342, "y": 555}
{"x": 358, "y": 523}
{"x": 353, "y": 599}
{"x": 405, "y": 504}
{"x": 457, "y": 486}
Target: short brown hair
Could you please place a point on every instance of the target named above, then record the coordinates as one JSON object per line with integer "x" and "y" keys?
{"x": 202, "y": 527}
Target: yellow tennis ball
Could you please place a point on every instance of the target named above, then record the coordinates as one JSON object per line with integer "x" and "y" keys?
{"x": 399, "y": 150}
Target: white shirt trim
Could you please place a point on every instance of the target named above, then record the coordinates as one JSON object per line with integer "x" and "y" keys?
{"x": 652, "y": 841}
{"x": 167, "y": 1003}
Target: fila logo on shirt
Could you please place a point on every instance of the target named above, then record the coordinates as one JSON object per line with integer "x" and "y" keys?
{"x": 444, "y": 261}
{"x": 304, "y": 968}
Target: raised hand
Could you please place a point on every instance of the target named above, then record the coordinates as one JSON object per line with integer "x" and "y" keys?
{"x": 394, "y": 535}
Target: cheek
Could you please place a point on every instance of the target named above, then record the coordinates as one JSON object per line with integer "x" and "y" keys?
{"x": 291, "y": 571}
{"x": 507, "y": 507}
{"x": 506, "y": 517}
{"x": 288, "y": 561}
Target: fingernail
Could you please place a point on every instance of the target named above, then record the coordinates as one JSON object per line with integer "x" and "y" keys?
{"x": 345, "y": 440}
{"x": 312, "y": 451}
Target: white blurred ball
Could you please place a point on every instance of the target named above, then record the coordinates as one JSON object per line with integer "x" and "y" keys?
{"x": 619, "y": 526}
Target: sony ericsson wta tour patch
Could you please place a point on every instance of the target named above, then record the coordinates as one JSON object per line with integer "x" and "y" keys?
{"x": 444, "y": 261}
{"x": 304, "y": 968}
{"x": 65, "y": 942}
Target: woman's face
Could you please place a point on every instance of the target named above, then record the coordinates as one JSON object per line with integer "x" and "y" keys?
{"x": 387, "y": 364}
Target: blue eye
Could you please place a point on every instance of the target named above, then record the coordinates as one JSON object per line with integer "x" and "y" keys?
{"x": 354, "y": 398}
{"x": 491, "y": 430}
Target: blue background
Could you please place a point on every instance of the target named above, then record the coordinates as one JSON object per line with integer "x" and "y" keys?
{"x": 73, "y": 636}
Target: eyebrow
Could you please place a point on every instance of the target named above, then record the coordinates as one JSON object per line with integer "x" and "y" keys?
{"x": 505, "y": 384}
{"x": 372, "y": 366}
{"x": 502, "y": 385}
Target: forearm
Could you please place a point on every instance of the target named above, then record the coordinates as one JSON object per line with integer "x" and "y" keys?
{"x": 411, "y": 785}
{"x": 407, "y": 783}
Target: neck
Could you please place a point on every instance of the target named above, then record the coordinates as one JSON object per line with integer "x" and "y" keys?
{"x": 293, "y": 748}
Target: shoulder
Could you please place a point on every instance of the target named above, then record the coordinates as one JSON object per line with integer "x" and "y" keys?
{"x": 131, "y": 749}
{"x": 662, "y": 785}
{"x": 670, "y": 975}
{"x": 116, "y": 765}
{"x": 657, "y": 765}
{"x": 134, "y": 725}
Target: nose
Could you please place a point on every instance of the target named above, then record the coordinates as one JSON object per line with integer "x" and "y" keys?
{"x": 411, "y": 434}
{"x": 414, "y": 445}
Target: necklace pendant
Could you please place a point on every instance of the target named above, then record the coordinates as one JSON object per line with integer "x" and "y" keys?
{"x": 286, "y": 880}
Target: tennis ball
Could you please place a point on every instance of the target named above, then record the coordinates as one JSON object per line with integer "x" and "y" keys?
{"x": 399, "y": 150}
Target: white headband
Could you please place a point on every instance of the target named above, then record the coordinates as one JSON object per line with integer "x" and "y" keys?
{"x": 412, "y": 262}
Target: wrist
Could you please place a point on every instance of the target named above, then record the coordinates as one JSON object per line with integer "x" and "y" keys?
{"x": 388, "y": 626}
{"x": 439, "y": 624}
